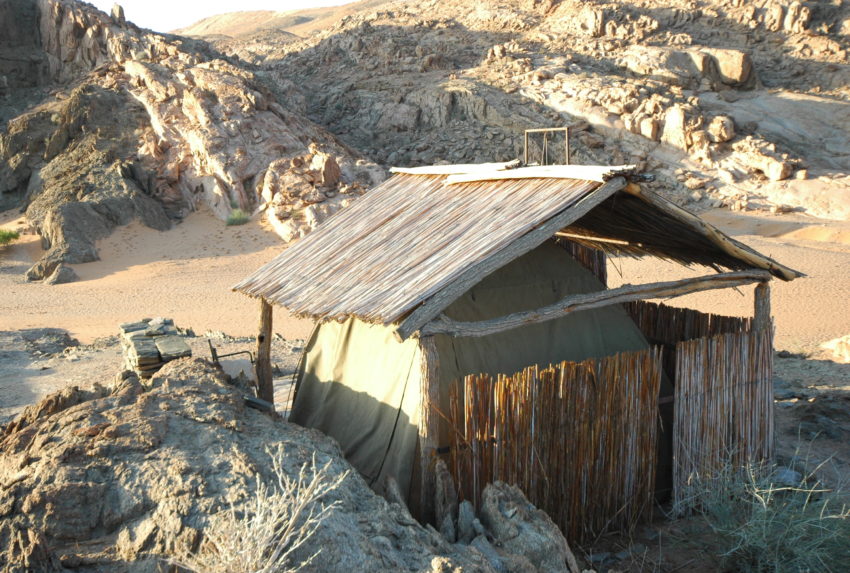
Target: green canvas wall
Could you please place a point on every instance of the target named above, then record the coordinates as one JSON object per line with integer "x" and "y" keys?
{"x": 361, "y": 386}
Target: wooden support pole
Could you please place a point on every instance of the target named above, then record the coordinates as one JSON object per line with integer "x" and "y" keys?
{"x": 429, "y": 428}
{"x": 574, "y": 303}
{"x": 761, "y": 316}
{"x": 265, "y": 388}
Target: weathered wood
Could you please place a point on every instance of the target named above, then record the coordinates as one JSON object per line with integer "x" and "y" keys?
{"x": 428, "y": 427}
{"x": 265, "y": 388}
{"x": 761, "y": 316}
{"x": 728, "y": 244}
{"x": 600, "y": 173}
{"x": 474, "y": 273}
{"x": 574, "y": 303}
{"x": 455, "y": 169}
{"x": 525, "y": 153}
{"x": 566, "y": 235}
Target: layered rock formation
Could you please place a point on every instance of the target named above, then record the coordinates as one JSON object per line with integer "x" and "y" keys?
{"x": 128, "y": 478}
{"x": 741, "y": 95}
{"x": 144, "y": 126}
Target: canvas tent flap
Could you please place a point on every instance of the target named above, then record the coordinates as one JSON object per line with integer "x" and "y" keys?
{"x": 360, "y": 386}
{"x": 541, "y": 277}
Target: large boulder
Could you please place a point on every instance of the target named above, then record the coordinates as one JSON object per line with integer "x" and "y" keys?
{"x": 521, "y": 530}
{"x": 688, "y": 66}
{"x": 126, "y": 478}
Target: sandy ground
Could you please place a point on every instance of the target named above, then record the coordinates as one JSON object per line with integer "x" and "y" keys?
{"x": 185, "y": 274}
{"x": 808, "y": 311}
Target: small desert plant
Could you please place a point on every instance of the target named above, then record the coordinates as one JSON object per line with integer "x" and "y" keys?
{"x": 238, "y": 217}
{"x": 775, "y": 527}
{"x": 262, "y": 535}
{"x": 7, "y": 236}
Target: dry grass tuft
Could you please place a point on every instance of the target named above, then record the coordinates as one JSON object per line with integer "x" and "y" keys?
{"x": 262, "y": 535}
{"x": 769, "y": 524}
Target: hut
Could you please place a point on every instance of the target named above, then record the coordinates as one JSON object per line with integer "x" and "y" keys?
{"x": 458, "y": 274}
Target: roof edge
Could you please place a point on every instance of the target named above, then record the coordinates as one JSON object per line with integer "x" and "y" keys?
{"x": 723, "y": 241}
{"x": 431, "y": 307}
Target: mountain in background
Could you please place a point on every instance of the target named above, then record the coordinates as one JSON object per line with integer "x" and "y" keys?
{"x": 293, "y": 115}
{"x": 300, "y": 23}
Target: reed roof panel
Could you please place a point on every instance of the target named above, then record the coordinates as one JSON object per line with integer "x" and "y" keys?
{"x": 416, "y": 234}
{"x": 403, "y": 242}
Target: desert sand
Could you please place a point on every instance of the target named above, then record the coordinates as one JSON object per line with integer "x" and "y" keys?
{"x": 185, "y": 273}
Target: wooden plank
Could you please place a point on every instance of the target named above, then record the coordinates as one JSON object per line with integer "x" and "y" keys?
{"x": 475, "y": 273}
{"x": 587, "y": 301}
{"x": 600, "y": 173}
{"x": 428, "y": 427}
{"x": 761, "y": 316}
{"x": 265, "y": 388}
{"x": 728, "y": 244}
{"x": 456, "y": 169}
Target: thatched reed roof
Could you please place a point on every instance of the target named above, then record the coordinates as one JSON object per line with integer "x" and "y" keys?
{"x": 416, "y": 237}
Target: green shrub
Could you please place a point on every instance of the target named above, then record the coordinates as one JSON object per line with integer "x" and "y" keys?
{"x": 238, "y": 217}
{"x": 777, "y": 527}
{"x": 7, "y": 237}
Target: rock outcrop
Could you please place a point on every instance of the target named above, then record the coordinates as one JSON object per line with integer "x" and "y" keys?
{"x": 149, "y": 344}
{"x": 144, "y": 126}
{"x": 416, "y": 83}
{"x": 128, "y": 477}
{"x": 743, "y": 94}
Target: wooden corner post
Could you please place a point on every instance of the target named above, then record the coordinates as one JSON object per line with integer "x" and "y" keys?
{"x": 761, "y": 316}
{"x": 265, "y": 388}
{"x": 429, "y": 426}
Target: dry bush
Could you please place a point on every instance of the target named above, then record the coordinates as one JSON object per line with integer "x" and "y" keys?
{"x": 7, "y": 236}
{"x": 775, "y": 527}
{"x": 237, "y": 217}
{"x": 261, "y": 535}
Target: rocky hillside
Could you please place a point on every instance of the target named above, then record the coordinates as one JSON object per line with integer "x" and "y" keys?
{"x": 104, "y": 123}
{"x": 131, "y": 477}
{"x": 742, "y": 104}
{"x": 300, "y": 23}
{"x": 728, "y": 102}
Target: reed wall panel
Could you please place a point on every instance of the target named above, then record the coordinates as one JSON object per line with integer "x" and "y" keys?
{"x": 664, "y": 324}
{"x": 578, "y": 438}
{"x": 723, "y": 407}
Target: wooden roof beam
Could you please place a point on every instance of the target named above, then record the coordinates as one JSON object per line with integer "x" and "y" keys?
{"x": 575, "y": 303}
